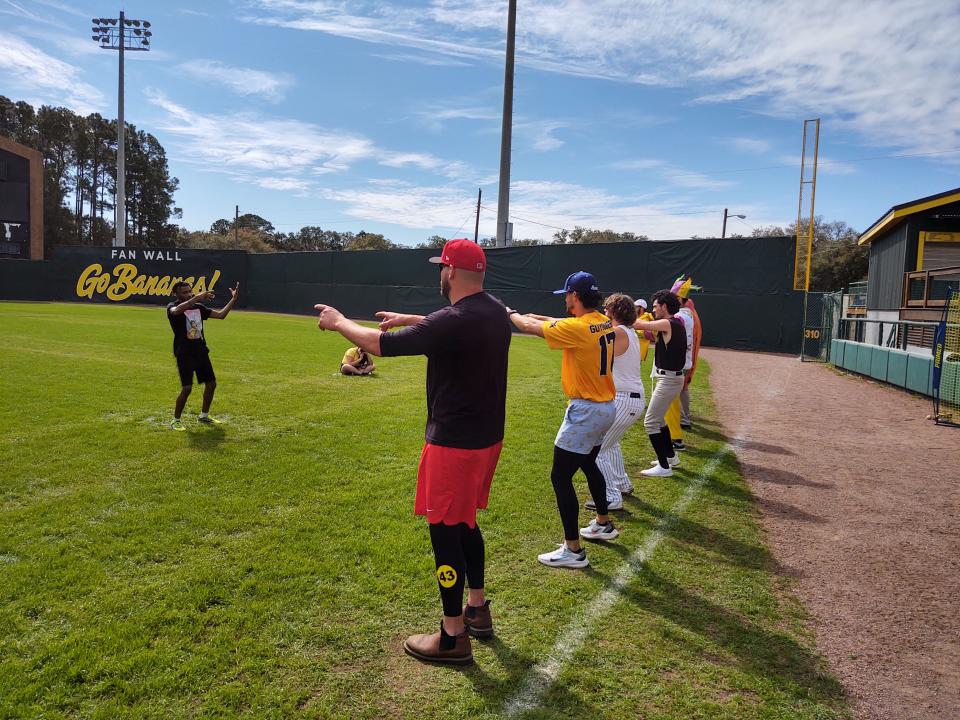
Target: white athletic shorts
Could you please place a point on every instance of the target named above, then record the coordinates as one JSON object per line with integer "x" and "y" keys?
{"x": 584, "y": 424}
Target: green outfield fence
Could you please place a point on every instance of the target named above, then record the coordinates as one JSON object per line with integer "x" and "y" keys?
{"x": 748, "y": 301}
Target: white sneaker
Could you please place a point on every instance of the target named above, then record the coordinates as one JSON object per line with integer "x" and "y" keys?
{"x": 596, "y": 531}
{"x": 674, "y": 460}
{"x": 564, "y": 557}
{"x": 657, "y": 471}
{"x": 611, "y": 505}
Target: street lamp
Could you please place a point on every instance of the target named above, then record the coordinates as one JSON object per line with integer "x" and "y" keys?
{"x": 727, "y": 214}
{"x": 121, "y": 34}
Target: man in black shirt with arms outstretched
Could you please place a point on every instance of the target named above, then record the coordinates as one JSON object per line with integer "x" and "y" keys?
{"x": 186, "y": 315}
{"x": 466, "y": 344}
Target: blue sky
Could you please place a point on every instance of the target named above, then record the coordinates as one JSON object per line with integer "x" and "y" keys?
{"x": 648, "y": 117}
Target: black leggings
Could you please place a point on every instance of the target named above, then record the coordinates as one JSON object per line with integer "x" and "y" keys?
{"x": 565, "y": 465}
{"x": 458, "y": 551}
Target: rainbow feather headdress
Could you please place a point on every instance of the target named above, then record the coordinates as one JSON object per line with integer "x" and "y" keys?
{"x": 683, "y": 286}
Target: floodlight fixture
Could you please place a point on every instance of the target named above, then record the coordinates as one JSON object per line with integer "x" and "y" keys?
{"x": 146, "y": 23}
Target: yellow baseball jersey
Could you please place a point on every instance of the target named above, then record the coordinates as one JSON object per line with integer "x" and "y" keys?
{"x": 587, "y": 344}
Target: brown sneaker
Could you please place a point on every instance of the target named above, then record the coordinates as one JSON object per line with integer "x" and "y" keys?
{"x": 427, "y": 647}
{"x": 478, "y": 620}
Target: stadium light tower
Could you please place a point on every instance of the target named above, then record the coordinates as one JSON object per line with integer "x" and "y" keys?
{"x": 121, "y": 34}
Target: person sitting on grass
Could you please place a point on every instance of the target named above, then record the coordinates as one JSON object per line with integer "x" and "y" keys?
{"x": 356, "y": 361}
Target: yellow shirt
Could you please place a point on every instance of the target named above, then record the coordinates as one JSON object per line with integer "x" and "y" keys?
{"x": 350, "y": 356}
{"x": 587, "y": 344}
{"x": 644, "y": 343}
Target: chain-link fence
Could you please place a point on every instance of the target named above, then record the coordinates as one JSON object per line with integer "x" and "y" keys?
{"x": 821, "y": 315}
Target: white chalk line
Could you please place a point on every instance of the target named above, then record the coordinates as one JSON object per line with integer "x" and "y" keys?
{"x": 544, "y": 674}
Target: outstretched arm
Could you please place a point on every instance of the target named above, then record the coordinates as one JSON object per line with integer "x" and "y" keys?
{"x": 225, "y": 310}
{"x": 529, "y": 324}
{"x": 654, "y": 325}
{"x": 542, "y": 318}
{"x": 390, "y": 320}
{"x": 366, "y": 338}
{"x": 187, "y": 304}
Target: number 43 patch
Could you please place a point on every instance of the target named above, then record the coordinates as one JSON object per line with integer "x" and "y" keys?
{"x": 447, "y": 576}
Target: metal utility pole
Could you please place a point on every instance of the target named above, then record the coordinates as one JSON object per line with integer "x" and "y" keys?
{"x": 236, "y": 227}
{"x": 121, "y": 34}
{"x": 476, "y": 227}
{"x": 120, "y": 209}
{"x": 727, "y": 214}
{"x": 504, "y": 233}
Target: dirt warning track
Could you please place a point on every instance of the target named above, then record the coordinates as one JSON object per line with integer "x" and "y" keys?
{"x": 860, "y": 497}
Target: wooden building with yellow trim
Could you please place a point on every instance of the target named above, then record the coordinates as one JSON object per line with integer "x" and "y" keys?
{"x": 914, "y": 258}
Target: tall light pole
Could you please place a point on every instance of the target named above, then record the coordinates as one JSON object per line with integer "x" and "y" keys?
{"x": 503, "y": 201}
{"x": 121, "y": 34}
{"x": 727, "y": 214}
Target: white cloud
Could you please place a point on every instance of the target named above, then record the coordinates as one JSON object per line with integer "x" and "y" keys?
{"x": 242, "y": 81}
{"x": 540, "y": 133}
{"x": 878, "y": 67}
{"x": 424, "y": 161}
{"x": 62, "y": 7}
{"x": 28, "y": 69}
{"x": 753, "y": 146}
{"x": 825, "y": 165}
{"x": 291, "y": 153}
{"x": 673, "y": 174}
{"x": 436, "y": 117}
{"x": 272, "y": 183}
{"x": 250, "y": 143}
{"x": 420, "y": 207}
{"x": 537, "y": 209}
{"x": 429, "y": 60}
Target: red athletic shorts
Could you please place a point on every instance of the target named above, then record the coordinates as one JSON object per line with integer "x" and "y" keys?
{"x": 453, "y": 483}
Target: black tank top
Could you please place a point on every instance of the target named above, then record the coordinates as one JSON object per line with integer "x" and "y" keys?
{"x": 672, "y": 355}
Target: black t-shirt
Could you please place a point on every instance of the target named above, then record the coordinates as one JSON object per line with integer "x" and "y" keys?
{"x": 672, "y": 355}
{"x": 467, "y": 346}
{"x": 188, "y": 329}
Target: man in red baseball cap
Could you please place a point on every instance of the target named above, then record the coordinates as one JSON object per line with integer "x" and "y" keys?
{"x": 466, "y": 344}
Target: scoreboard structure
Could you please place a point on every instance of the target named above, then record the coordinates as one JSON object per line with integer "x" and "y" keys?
{"x": 21, "y": 201}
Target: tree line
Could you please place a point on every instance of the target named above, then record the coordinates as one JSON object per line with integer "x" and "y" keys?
{"x": 254, "y": 233}
{"x": 836, "y": 258}
{"x": 80, "y": 176}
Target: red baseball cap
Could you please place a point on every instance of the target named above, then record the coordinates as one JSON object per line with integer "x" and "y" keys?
{"x": 464, "y": 254}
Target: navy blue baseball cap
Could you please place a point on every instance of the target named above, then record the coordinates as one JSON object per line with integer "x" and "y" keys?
{"x": 580, "y": 281}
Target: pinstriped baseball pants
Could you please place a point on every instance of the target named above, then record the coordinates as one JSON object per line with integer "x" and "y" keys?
{"x": 610, "y": 459}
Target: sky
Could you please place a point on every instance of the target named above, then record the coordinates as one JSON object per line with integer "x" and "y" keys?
{"x": 631, "y": 115}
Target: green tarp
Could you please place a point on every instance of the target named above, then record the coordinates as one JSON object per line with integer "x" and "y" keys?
{"x": 747, "y": 299}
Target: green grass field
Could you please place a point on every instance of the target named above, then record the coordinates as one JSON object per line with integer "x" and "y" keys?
{"x": 271, "y": 567}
